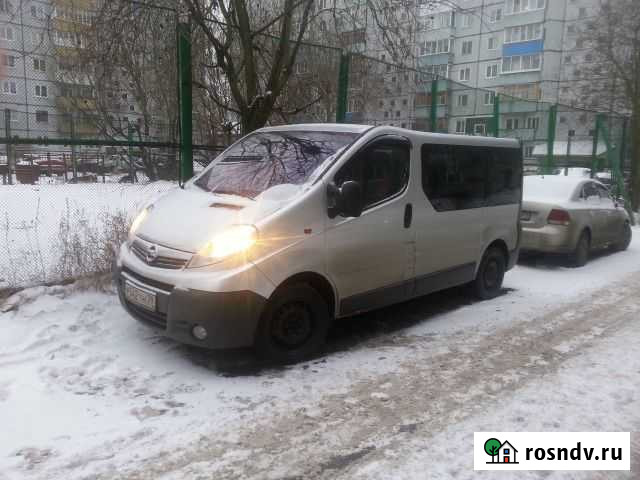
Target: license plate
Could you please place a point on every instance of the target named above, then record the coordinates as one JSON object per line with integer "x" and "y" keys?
{"x": 140, "y": 297}
{"x": 524, "y": 215}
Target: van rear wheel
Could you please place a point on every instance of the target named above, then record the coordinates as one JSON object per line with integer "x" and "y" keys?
{"x": 294, "y": 325}
{"x": 488, "y": 282}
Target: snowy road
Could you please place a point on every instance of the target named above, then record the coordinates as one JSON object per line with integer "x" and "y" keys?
{"x": 85, "y": 392}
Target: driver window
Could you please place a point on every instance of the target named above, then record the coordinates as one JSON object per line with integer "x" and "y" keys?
{"x": 382, "y": 169}
{"x": 605, "y": 196}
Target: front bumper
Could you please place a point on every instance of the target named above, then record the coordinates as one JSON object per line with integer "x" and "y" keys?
{"x": 547, "y": 239}
{"x": 230, "y": 318}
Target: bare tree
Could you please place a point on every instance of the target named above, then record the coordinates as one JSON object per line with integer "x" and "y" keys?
{"x": 612, "y": 81}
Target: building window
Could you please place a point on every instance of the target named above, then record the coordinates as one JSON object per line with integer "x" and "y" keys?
{"x": 464, "y": 75}
{"x": 582, "y": 13}
{"x": 9, "y": 61}
{"x": 492, "y": 70}
{"x": 460, "y": 124}
{"x": 528, "y": 151}
{"x": 6, "y": 33}
{"x": 489, "y": 98}
{"x": 495, "y": 15}
{"x": 41, "y": 91}
{"x": 512, "y": 124}
{"x": 435, "y": 47}
{"x": 533, "y": 123}
{"x": 467, "y": 20}
{"x": 506, "y": 451}
{"x": 467, "y": 47}
{"x": 567, "y": 59}
{"x": 397, "y": 113}
{"x": 5, "y": 6}
{"x": 517, "y": 6}
{"x": 9, "y": 87}
{"x": 521, "y": 63}
{"x": 492, "y": 43}
{"x": 39, "y": 64}
{"x": 523, "y": 33}
{"x": 463, "y": 100}
{"x": 42, "y": 116}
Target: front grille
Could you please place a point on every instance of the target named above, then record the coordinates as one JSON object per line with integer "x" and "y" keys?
{"x": 160, "y": 261}
{"x": 148, "y": 281}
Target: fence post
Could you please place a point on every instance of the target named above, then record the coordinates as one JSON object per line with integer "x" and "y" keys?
{"x": 551, "y": 140}
{"x": 594, "y": 150}
{"x": 74, "y": 164}
{"x": 7, "y": 134}
{"x": 343, "y": 88}
{"x": 619, "y": 172}
{"x": 132, "y": 166}
{"x": 186, "y": 101}
{"x": 433, "y": 112}
{"x": 566, "y": 166}
{"x": 496, "y": 115}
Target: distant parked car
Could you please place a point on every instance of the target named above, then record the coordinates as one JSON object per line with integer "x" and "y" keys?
{"x": 573, "y": 216}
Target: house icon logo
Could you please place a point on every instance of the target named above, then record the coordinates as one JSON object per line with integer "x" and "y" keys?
{"x": 500, "y": 452}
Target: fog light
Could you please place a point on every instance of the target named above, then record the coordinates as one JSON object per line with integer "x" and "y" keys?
{"x": 199, "y": 332}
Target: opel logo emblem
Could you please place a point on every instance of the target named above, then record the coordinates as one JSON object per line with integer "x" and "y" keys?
{"x": 152, "y": 253}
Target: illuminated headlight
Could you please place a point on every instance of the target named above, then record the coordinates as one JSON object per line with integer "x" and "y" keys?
{"x": 235, "y": 239}
{"x": 135, "y": 225}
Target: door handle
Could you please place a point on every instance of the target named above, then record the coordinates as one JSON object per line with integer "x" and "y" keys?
{"x": 408, "y": 215}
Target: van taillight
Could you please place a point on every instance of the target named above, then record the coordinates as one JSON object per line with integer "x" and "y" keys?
{"x": 558, "y": 217}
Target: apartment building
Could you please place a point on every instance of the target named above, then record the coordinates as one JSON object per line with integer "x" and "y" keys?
{"x": 48, "y": 89}
{"x": 527, "y": 51}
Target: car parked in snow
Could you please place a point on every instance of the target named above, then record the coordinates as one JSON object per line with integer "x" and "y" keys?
{"x": 572, "y": 216}
{"x": 293, "y": 226}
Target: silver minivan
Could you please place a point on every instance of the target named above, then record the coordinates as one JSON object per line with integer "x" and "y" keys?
{"x": 294, "y": 226}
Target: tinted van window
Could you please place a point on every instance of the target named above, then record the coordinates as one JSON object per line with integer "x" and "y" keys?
{"x": 504, "y": 176}
{"x": 382, "y": 169}
{"x": 453, "y": 177}
{"x": 459, "y": 177}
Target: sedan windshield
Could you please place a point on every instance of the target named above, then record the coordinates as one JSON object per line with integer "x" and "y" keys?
{"x": 266, "y": 159}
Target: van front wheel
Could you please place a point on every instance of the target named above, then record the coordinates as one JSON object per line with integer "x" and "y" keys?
{"x": 294, "y": 325}
{"x": 488, "y": 282}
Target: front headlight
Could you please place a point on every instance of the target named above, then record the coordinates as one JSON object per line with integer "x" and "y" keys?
{"x": 235, "y": 239}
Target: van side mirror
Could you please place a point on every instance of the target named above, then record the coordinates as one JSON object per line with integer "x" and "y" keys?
{"x": 346, "y": 200}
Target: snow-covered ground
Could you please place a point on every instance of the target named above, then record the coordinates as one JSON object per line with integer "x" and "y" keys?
{"x": 31, "y": 216}
{"x": 86, "y": 392}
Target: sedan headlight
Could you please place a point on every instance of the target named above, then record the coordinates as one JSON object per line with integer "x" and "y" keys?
{"x": 235, "y": 239}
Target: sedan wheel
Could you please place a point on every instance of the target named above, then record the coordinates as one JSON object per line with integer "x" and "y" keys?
{"x": 625, "y": 239}
{"x": 580, "y": 255}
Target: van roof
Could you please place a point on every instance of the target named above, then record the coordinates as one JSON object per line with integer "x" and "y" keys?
{"x": 432, "y": 137}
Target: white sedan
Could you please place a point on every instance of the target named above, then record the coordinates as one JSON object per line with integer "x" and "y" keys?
{"x": 572, "y": 216}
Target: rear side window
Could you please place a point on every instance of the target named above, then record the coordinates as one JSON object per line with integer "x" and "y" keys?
{"x": 504, "y": 176}
{"x": 458, "y": 177}
{"x": 382, "y": 169}
{"x": 453, "y": 177}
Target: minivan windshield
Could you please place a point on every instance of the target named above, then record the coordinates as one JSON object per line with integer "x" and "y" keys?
{"x": 266, "y": 159}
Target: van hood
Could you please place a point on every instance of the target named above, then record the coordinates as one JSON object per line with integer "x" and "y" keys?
{"x": 186, "y": 219}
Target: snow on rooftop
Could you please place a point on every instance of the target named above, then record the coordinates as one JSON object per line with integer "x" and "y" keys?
{"x": 579, "y": 148}
{"x": 550, "y": 187}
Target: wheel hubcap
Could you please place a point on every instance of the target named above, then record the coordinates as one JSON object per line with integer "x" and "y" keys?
{"x": 292, "y": 326}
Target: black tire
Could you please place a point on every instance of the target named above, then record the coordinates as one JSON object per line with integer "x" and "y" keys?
{"x": 488, "y": 281}
{"x": 293, "y": 326}
{"x": 625, "y": 239}
{"x": 580, "y": 256}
